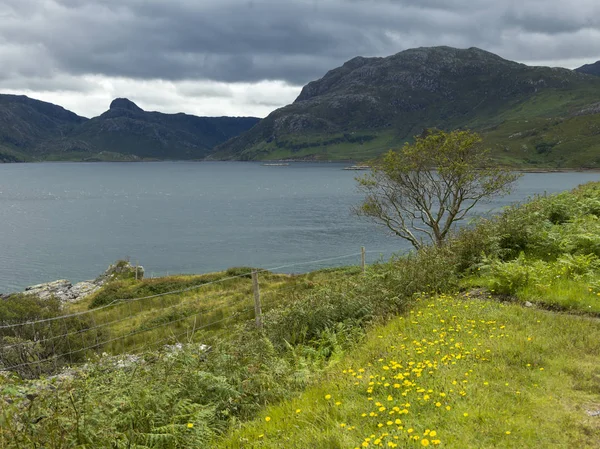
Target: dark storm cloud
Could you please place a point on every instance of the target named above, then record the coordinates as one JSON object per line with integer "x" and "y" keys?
{"x": 291, "y": 40}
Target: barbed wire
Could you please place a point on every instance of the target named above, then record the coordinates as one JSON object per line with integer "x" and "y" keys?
{"x": 113, "y": 322}
{"x": 158, "y": 295}
{"x": 269, "y": 301}
{"x": 56, "y": 357}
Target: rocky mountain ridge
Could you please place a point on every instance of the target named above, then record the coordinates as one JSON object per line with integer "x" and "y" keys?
{"x": 32, "y": 130}
{"x": 590, "y": 69}
{"x": 369, "y": 105}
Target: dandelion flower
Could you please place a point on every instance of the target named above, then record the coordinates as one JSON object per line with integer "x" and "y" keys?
{"x": 424, "y": 442}
{"x": 328, "y": 396}
{"x": 267, "y": 418}
{"x": 190, "y": 425}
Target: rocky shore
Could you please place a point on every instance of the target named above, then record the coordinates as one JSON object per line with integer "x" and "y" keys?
{"x": 67, "y": 292}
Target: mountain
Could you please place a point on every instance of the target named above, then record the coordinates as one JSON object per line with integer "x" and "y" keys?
{"x": 590, "y": 69}
{"x": 25, "y": 122}
{"x": 125, "y": 128}
{"x": 529, "y": 115}
{"x": 35, "y": 130}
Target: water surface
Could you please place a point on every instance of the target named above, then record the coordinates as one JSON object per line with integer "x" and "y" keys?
{"x": 70, "y": 220}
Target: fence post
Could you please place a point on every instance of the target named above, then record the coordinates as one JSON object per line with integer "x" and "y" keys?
{"x": 362, "y": 259}
{"x": 257, "y": 308}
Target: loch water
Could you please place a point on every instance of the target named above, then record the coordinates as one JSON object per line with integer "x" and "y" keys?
{"x": 71, "y": 220}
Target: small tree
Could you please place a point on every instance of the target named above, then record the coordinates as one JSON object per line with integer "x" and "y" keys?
{"x": 420, "y": 191}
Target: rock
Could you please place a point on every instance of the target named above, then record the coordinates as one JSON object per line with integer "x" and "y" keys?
{"x": 83, "y": 289}
{"x": 65, "y": 291}
{"x": 121, "y": 269}
{"x": 528, "y": 304}
{"x": 60, "y": 289}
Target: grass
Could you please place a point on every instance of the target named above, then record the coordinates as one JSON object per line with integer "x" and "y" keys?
{"x": 323, "y": 147}
{"x": 566, "y": 295}
{"x": 213, "y": 302}
{"x": 455, "y": 371}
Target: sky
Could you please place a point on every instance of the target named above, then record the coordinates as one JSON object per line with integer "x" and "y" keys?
{"x": 249, "y": 57}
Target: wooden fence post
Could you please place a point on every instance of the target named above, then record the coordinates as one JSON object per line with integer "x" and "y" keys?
{"x": 257, "y": 308}
{"x": 362, "y": 259}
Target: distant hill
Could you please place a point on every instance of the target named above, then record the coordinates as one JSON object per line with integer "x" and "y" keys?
{"x": 35, "y": 130}
{"x": 590, "y": 69}
{"x": 25, "y": 123}
{"x": 537, "y": 116}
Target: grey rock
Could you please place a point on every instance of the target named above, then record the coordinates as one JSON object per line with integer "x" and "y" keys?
{"x": 66, "y": 292}
{"x": 83, "y": 289}
{"x": 528, "y": 304}
{"x": 59, "y": 289}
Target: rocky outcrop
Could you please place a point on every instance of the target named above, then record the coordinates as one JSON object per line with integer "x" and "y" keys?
{"x": 61, "y": 289}
{"x": 121, "y": 269}
{"x": 66, "y": 292}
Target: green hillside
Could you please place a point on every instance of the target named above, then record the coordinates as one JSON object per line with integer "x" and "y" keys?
{"x": 369, "y": 105}
{"x": 25, "y": 123}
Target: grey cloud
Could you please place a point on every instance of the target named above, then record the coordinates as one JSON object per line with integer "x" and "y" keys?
{"x": 204, "y": 90}
{"x": 292, "y": 40}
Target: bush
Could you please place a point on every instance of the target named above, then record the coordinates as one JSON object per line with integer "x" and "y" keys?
{"x": 508, "y": 277}
{"x": 44, "y": 347}
{"x": 245, "y": 272}
{"x": 116, "y": 290}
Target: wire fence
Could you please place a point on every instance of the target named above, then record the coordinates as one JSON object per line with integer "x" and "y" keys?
{"x": 39, "y": 346}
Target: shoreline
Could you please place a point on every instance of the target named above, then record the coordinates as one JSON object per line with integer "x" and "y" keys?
{"x": 304, "y": 161}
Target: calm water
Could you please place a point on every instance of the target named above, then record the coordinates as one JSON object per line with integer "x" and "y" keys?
{"x": 70, "y": 220}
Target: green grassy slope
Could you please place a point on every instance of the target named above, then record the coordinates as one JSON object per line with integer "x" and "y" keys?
{"x": 455, "y": 372}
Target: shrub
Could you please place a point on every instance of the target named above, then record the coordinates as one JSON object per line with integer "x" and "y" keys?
{"x": 245, "y": 272}
{"x": 32, "y": 348}
{"x": 508, "y": 277}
